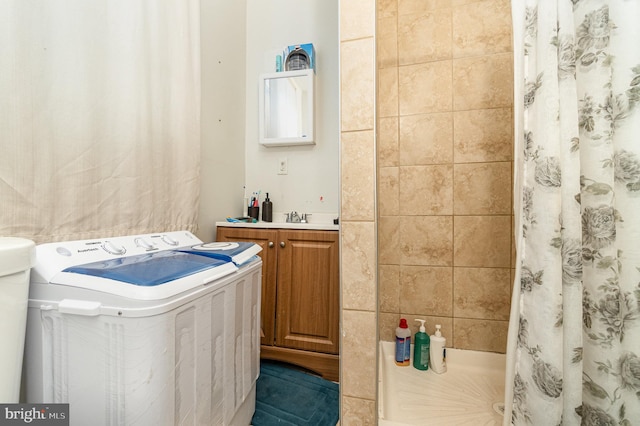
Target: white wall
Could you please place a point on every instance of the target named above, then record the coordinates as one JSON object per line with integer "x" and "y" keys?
{"x": 314, "y": 169}
{"x": 239, "y": 42}
{"x": 223, "y": 41}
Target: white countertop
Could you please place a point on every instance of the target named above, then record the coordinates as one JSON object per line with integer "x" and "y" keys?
{"x": 317, "y": 221}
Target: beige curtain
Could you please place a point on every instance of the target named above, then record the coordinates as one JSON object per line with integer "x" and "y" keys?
{"x": 99, "y": 117}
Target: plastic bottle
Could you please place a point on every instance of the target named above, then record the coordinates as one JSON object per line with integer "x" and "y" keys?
{"x": 421, "y": 348}
{"x": 267, "y": 209}
{"x": 403, "y": 344}
{"x": 438, "y": 352}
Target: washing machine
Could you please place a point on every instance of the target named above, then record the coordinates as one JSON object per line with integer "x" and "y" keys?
{"x": 143, "y": 330}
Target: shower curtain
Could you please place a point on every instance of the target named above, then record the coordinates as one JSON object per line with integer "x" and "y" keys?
{"x": 99, "y": 117}
{"x": 574, "y": 338}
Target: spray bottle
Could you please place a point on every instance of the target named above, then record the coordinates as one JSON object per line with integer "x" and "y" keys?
{"x": 421, "y": 348}
{"x": 403, "y": 344}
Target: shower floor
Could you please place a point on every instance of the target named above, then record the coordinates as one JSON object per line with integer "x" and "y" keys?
{"x": 471, "y": 392}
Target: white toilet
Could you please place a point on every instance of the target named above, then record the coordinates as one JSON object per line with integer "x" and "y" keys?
{"x": 17, "y": 256}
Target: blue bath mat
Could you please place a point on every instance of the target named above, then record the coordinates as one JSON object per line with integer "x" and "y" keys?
{"x": 288, "y": 397}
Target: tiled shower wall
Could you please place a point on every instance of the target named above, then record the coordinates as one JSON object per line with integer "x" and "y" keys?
{"x": 444, "y": 156}
{"x": 358, "y": 268}
{"x": 433, "y": 145}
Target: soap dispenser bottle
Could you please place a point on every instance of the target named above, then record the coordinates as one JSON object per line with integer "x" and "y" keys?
{"x": 438, "y": 352}
{"x": 267, "y": 209}
{"x": 403, "y": 343}
{"x": 421, "y": 348}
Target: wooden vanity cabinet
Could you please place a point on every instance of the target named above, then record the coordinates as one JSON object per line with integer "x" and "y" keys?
{"x": 300, "y": 295}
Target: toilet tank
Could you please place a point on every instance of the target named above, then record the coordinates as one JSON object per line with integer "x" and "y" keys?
{"x": 17, "y": 256}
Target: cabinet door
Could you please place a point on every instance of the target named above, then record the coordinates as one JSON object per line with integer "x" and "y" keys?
{"x": 267, "y": 240}
{"x": 308, "y": 291}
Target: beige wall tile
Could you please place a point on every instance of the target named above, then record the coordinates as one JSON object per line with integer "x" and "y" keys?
{"x": 387, "y": 42}
{"x": 482, "y": 188}
{"x": 450, "y": 114}
{"x": 483, "y": 82}
{"x": 358, "y": 412}
{"x": 387, "y": 324}
{"x": 483, "y": 135}
{"x": 482, "y": 28}
{"x": 358, "y": 264}
{"x": 389, "y": 288}
{"x": 461, "y": 2}
{"x": 424, "y": 37}
{"x": 389, "y": 240}
{"x": 387, "y": 8}
{"x": 387, "y": 92}
{"x": 426, "y": 290}
{"x": 479, "y": 90}
{"x": 388, "y": 191}
{"x": 358, "y": 350}
{"x": 388, "y": 142}
{"x": 482, "y": 241}
{"x": 357, "y": 73}
{"x": 418, "y": 6}
{"x": 482, "y": 293}
{"x": 357, "y": 19}
{"x": 426, "y": 190}
{"x": 359, "y": 278}
{"x": 455, "y": 3}
{"x": 358, "y": 174}
{"x": 425, "y": 88}
{"x": 480, "y": 335}
{"x": 426, "y": 240}
{"x": 426, "y": 139}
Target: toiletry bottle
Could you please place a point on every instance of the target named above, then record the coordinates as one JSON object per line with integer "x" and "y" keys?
{"x": 438, "y": 352}
{"x": 421, "y": 348}
{"x": 403, "y": 343}
{"x": 267, "y": 209}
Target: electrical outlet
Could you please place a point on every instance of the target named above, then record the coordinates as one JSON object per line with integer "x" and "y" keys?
{"x": 283, "y": 167}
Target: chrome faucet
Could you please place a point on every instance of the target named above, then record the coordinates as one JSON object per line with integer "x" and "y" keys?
{"x": 294, "y": 217}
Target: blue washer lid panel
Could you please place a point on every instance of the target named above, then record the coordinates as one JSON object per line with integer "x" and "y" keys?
{"x": 236, "y": 252}
{"x": 148, "y": 269}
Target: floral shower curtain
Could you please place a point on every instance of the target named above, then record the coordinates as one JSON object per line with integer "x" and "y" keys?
{"x": 574, "y": 337}
{"x": 99, "y": 117}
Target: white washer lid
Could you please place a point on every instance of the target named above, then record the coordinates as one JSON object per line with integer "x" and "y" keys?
{"x": 16, "y": 255}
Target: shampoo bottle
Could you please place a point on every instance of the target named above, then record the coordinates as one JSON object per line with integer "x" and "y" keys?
{"x": 438, "y": 352}
{"x": 267, "y": 209}
{"x": 421, "y": 348}
{"x": 403, "y": 344}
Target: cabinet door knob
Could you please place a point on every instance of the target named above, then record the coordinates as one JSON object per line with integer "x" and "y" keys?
{"x": 282, "y": 244}
{"x": 271, "y": 244}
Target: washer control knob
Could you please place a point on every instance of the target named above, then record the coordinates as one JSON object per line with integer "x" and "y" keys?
{"x": 63, "y": 251}
{"x": 141, "y": 242}
{"x": 111, "y": 248}
{"x": 169, "y": 240}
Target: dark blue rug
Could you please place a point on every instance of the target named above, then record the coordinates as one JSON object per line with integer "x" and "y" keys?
{"x": 288, "y": 397}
